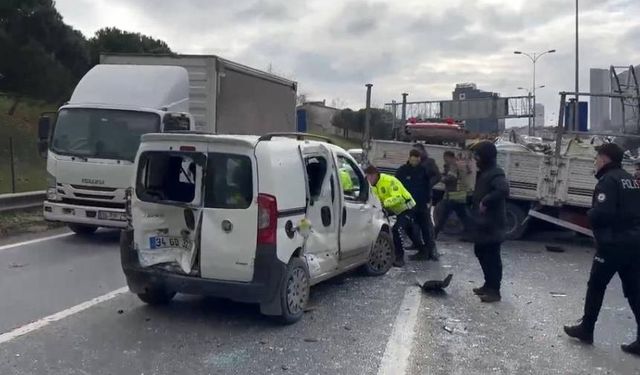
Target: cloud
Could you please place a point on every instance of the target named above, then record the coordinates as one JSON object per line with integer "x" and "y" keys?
{"x": 416, "y": 46}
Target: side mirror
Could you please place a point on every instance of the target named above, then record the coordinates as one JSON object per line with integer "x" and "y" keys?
{"x": 177, "y": 121}
{"x": 44, "y": 129}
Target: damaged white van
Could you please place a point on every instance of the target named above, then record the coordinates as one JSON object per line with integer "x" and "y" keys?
{"x": 252, "y": 219}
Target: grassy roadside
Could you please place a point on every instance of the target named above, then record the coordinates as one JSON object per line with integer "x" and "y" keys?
{"x": 21, "y": 127}
{"x": 24, "y": 221}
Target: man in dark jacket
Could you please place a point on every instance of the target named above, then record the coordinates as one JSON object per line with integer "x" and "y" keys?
{"x": 615, "y": 220}
{"x": 414, "y": 177}
{"x": 489, "y": 219}
{"x": 431, "y": 169}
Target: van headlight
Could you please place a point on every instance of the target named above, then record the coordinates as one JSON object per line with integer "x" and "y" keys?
{"x": 52, "y": 195}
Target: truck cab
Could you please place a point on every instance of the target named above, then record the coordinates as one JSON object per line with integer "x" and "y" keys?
{"x": 91, "y": 142}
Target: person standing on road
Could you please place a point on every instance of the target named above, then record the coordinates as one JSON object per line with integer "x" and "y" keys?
{"x": 615, "y": 219}
{"x": 431, "y": 169}
{"x": 414, "y": 177}
{"x": 396, "y": 199}
{"x": 455, "y": 195}
{"x": 489, "y": 219}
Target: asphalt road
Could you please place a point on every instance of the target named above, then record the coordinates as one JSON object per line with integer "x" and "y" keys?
{"x": 352, "y": 326}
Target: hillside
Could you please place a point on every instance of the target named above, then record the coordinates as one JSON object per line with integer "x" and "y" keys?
{"x": 22, "y": 129}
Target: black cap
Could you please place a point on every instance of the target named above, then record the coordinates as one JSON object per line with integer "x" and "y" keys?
{"x": 612, "y": 151}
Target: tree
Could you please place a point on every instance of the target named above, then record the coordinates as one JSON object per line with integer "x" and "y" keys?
{"x": 349, "y": 120}
{"x": 114, "y": 40}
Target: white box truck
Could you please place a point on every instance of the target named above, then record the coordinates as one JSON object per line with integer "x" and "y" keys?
{"x": 91, "y": 142}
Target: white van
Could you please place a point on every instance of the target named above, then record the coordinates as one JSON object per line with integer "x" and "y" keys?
{"x": 248, "y": 218}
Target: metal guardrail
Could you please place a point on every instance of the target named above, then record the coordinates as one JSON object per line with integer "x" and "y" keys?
{"x": 18, "y": 201}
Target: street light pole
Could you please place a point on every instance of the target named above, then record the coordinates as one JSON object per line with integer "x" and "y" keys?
{"x": 531, "y": 100}
{"x": 576, "y": 108}
{"x": 534, "y": 59}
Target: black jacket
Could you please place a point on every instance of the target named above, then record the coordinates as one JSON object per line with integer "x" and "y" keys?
{"x": 615, "y": 212}
{"x": 432, "y": 170}
{"x": 417, "y": 181}
{"x": 492, "y": 190}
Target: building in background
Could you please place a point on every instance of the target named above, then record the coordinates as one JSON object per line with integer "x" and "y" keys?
{"x": 540, "y": 117}
{"x": 607, "y": 114}
{"x": 468, "y": 91}
{"x": 315, "y": 117}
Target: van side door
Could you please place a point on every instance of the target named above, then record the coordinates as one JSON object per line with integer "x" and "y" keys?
{"x": 357, "y": 232}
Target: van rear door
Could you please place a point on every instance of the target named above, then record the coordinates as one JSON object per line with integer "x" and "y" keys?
{"x": 230, "y": 212}
{"x": 167, "y": 205}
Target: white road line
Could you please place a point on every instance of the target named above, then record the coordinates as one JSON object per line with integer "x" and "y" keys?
{"x": 13, "y": 245}
{"x": 34, "y": 326}
{"x": 396, "y": 355}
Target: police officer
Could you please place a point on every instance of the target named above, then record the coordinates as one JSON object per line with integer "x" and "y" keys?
{"x": 455, "y": 195}
{"x": 396, "y": 199}
{"x": 615, "y": 219}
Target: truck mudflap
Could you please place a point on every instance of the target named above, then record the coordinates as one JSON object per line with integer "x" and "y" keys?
{"x": 268, "y": 276}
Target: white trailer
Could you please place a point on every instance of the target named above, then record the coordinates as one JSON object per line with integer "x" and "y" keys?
{"x": 226, "y": 97}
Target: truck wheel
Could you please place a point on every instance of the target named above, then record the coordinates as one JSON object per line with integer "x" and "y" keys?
{"x": 294, "y": 292}
{"x": 83, "y": 229}
{"x": 381, "y": 256}
{"x": 156, "y": 296}
{"x": 516, "y": 224}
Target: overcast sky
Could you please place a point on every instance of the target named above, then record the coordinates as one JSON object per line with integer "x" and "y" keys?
{"x": 423, "y": 47}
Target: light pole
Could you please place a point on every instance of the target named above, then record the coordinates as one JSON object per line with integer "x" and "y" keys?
{"x": 534, "y": 57}
{"x": 528, "y": 91}
{"x": 576, "y": 109}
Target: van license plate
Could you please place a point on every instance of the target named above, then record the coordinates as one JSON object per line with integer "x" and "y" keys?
{"x": 162, "y": 242}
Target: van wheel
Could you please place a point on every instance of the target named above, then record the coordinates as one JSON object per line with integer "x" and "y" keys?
{"x": 156, "y": 296}
{"x": 294, "y": 292}
{"x": 381, "y": 256}
{"x": 83, "y": 229}
{"x": 516, "y": 224}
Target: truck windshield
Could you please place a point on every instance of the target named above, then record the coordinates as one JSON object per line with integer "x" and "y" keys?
{"x": 101, "y": 133}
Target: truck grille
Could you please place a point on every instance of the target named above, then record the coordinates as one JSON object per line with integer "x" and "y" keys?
{"x": 92, "y": 196}
{"x": 93, "y": 188}
{"x": 80, "y": 202}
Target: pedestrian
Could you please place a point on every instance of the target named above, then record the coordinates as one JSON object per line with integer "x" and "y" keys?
{"x": 398, "y": 201}
{"x": 415, "y": 179}
{"x": 433, "y": 172}
{"x": 615, "y": 220}
{"x": 455, "y": 193}
{"x": 489, "y": 219}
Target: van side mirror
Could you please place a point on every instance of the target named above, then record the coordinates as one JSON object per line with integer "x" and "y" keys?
{"x": 177, "y": 122}
{"x": 44, "y": 129}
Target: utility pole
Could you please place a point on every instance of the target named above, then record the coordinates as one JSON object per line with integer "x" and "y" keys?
{"x": 367, "y": 123}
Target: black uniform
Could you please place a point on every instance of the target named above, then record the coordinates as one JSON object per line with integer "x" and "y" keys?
{"x": 615, "y": 219}
{"x": 488, "y": 231}
{"x": 417, "y": 182}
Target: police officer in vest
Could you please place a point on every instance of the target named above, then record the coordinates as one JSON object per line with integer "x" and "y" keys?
{"x": 396, "y": 199}
{"x": 615, "y": 219}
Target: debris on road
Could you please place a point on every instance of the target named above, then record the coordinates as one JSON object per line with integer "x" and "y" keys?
{"x": 311, "y": 339}
{"x": 435, "y": 285}
{"x": 558, "y": 294}
{"x": 447, "y": 328}
{"x": 555, "y": 249}
{"x": 18, "y": 265}
{"x": 121, "y": 311}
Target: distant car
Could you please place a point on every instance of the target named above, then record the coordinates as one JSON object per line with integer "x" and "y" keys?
{"x": 253, "y": 219}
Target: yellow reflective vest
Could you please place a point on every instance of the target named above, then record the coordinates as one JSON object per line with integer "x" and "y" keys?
{"x": 393, "y": 195}
{"x": 345, "y": 180}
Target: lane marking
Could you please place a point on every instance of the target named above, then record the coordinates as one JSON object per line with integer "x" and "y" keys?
{"x": 34, "y": 326}
{"x": 396, "y": 355}
{"x": 18, "y": 244}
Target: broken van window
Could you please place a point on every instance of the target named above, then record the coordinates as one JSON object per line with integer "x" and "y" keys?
{"x": 229, "y": 181}
{"x": 166, "y": 176}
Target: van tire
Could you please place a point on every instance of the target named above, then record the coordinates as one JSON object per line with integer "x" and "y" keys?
{"x": 381, "y": 256}
{"x": 156, "y": 296}
{"x": 84, "y": 230}
{"x": 516, "y": 222}
{"x": 294, "y": 291}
